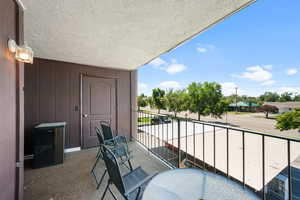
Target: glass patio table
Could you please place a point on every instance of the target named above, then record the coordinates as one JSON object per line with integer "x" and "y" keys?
{"x": 194, "y": 184}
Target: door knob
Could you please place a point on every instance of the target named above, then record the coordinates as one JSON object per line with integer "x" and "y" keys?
{"x": 85, "y": 115}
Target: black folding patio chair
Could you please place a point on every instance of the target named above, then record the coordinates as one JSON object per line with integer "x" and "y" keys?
{"x": 122, "y": 153}
{"x": 108, "y": 136}
{"x": 130, "y": 185}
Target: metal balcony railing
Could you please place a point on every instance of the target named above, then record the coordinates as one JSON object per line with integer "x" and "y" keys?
{"x": 251, "y": 158}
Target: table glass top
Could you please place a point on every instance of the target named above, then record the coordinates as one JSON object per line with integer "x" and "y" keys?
{"x": 194, "y": 184}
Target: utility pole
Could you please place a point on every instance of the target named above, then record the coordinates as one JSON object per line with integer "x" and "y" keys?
{"x": 236, "y": 89}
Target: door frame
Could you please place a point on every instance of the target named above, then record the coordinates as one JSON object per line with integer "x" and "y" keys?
{"x": 82, "y": 75}
{"x": 19, "y": 170}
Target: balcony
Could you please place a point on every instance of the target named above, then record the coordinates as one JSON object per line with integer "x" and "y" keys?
{"x": 85, "y": 71}
{"x": 257, "y": 161}
{"x": 267, "y": 164}
{"x": 73, "y": 180}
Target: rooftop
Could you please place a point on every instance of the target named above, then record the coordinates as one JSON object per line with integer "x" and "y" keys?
{"x": 292, "y": 104}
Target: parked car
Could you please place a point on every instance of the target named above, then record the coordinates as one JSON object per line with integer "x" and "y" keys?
{"x": 160, "y": 120}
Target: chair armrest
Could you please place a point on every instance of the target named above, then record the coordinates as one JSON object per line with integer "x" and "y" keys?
{"x": 109, "y": 142}
{"x": 140, "y": 183}
{"x": 117, "y": 139}
{"x": 120, "y": 139}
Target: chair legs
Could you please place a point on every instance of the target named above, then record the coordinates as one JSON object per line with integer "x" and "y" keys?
{"x": 98, "y": 184}
{"x": 108, "y": 188}
{"x": 105, "y": 191}
{"x": 96, "y": 162}
{"x": 93, "y": 173}
{"x": 138, "y": 194}
{"x": 115, "y": 198}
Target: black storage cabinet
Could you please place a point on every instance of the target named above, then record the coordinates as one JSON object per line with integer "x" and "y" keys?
{"x": 48, "y": 144}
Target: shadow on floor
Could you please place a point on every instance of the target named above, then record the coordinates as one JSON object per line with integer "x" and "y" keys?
{"x": 73, "y": 181}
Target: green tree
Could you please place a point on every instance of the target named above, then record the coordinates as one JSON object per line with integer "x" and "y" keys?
{"x": 206, "y": 99}
{"x": 176, "y": 101}
{"x": 269, "y": 97}
{"x": 150, "y": 102}
{"x": 158, "y": 98}
{"x": 220, "y": 108}
{"x": 215, "y": 105}
{"x": 289, "y": 120}
{"x": 142, "y": 101}
{"x": 232, "y": 98}
{"x": 297, "y": 97}
{"x": 196, "y": 100}
{"x": 286, "y": 96}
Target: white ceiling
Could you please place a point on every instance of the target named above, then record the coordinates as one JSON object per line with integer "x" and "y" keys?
{"x": 122, "y": 34}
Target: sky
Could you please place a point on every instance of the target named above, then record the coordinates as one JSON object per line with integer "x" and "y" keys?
{"x": 256, "y": 50}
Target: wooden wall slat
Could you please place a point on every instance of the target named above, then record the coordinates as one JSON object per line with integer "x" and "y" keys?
{"x": 56, "y": 85}
{"x": 46, "y": 89}
{"x": 62, "y": 97}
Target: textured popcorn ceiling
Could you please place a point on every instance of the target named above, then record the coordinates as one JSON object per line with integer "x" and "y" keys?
{"x": 122, "y": 34}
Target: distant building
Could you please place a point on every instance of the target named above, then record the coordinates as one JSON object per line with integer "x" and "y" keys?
{"x": 285, "y": 106}
{"x": 243, "y": 106}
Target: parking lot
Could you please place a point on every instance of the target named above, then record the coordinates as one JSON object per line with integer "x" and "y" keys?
{"x": 251, "y": 121}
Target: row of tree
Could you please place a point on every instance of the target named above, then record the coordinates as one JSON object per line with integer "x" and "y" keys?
{"x": 201, "y": 98}
{"x": 207, "y": 99}
{"x": 266, "y": 97}
{"x": 275, "y": 97}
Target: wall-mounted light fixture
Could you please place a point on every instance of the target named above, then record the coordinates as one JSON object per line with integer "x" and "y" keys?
{"x": 22, "y": 53}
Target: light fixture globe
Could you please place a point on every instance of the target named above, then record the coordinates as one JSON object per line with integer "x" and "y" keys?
{"x": 22, "y": 53}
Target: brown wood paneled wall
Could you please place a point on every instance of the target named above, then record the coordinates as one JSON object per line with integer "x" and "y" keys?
{"x": 52, "y": 93}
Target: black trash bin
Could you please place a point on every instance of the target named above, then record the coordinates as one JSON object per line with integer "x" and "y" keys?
{"x": 48, "y": 144}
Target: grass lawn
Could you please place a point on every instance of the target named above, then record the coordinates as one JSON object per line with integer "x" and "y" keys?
{"x": 144, "y": 119}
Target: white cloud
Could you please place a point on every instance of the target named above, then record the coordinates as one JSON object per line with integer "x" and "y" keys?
{"x": 169, "y": 85}
{"x": 142, "y": 88}
{"x": 292, "y": 71}
{"x": 172, "y": 68}
{"x": 268, "y": 67}
{"x": 157, "y": 62}
{"x": 229, "y": 88}
{"x": 175, "y": 68}
{"x": 201, "y": 50}
{"x": 289, "y": 89}
{"x": 256, "y": 73}
{"x": 268, "y": 83}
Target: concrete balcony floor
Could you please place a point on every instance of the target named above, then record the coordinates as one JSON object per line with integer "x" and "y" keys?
{"x": 72, "y": 180}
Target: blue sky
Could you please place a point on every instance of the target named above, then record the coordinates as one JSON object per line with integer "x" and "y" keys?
{"x": 256, "y": 50}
